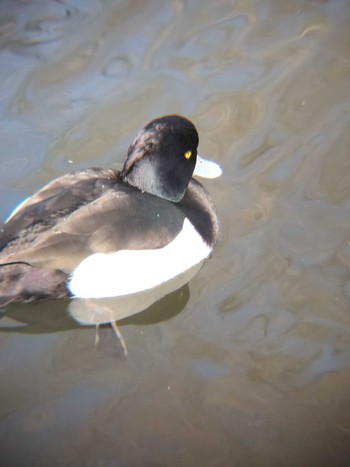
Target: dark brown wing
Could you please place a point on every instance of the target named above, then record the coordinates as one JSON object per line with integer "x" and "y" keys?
{"x": 120, "y": 217}
{"x": 56, "y": 199}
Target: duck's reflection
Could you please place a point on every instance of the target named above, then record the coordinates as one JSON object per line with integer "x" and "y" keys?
{"x": 158, "y": 304}
{"x": 107, "y": 310}
{"x": 112, "y": 310}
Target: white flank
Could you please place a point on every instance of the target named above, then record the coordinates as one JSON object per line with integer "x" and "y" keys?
{"x": 129, "y": 271}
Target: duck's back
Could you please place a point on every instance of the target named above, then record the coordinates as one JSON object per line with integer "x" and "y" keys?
{"x": 84, "y": 213}
{"x": 50, "y": 205}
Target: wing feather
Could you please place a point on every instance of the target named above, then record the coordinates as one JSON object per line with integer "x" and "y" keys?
{"x": 120, "y": 217}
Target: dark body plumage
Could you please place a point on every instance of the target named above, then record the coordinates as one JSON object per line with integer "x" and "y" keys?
{"x": 101, "y": 211}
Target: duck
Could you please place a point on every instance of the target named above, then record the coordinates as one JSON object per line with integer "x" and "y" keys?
{"x": 102, "y": 232}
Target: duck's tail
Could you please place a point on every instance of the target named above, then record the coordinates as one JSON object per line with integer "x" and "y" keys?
{"x": 21, "y": 281}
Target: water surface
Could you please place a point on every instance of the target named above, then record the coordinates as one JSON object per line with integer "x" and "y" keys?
{"x": 250, "y": 363}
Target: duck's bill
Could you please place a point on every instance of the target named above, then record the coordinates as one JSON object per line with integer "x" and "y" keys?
{"x": 206, "y": 168}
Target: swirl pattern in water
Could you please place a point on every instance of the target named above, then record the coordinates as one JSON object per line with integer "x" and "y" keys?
{"x": 250, "y": 363}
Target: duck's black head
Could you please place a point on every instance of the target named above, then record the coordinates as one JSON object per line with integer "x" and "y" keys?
{"x": 162, "y": 158}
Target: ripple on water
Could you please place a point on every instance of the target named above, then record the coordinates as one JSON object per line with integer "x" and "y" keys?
{"x": 255, "y": 369}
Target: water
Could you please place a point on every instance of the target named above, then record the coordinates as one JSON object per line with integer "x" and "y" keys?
{"x": 250, "y": 363}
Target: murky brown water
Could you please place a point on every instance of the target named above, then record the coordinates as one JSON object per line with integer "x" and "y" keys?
{"x": 250, "y": 364}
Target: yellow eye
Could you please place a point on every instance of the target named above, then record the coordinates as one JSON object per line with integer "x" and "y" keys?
{"x": 188, "y": 154}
